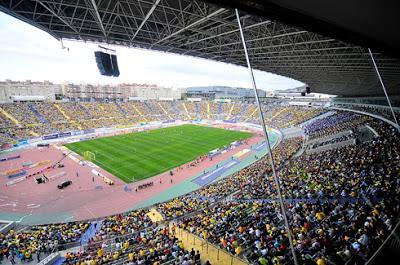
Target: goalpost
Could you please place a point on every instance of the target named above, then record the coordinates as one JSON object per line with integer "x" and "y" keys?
{"x": 89, "y": 156}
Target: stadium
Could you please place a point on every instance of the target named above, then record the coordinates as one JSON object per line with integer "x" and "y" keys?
{"x": 145, "y": 174}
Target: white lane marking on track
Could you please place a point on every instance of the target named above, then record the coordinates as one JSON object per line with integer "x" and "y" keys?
{"x": 8, "y": 204}
{"x": 69, "y": 218}
{"x": 23, "y": 217}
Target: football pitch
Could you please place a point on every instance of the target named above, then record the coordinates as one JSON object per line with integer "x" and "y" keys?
{"x": 136, "y": 156}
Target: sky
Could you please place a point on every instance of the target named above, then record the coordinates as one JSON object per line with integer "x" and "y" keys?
{"x": 27, "y": 52}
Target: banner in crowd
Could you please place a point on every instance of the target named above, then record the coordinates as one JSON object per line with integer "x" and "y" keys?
{"x": 88, "y": 131}
{"x": 124, "y": 126}
{"x": 9, "y": 158}
{"x": 17, "y": 174}
{"x": 76, "y": 132}
{"x": 65, "y": 134}
{"x": 50, "y": 136}
{"x": 169, "y": 121}
{"x": 56, "y": 135}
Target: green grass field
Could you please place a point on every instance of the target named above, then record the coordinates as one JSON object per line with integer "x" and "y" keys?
{"x": 136, "y": 156}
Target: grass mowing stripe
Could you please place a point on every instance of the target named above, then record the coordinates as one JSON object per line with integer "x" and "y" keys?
{"x": 193, "y": 157}
{"x": 145, "y": 154}
{"x": 132, "y": 161}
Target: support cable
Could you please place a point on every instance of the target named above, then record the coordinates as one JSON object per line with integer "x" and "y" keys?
{"x": 383, "y": 87}
{"x": 267, "y": 140}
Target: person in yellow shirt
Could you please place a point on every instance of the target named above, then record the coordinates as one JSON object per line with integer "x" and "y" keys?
{"x": 320, "y": 216}
{"x": 100, "y": 252}
{"x": 126, "y": 245}
{"x": 27, "y": 255}
{"x": 131, "y": 256}
{"x": 180, "y": 244}
{"x": 276, "y": 261}
{"x": 173, "y": 229}
{"x": 321, "y": 261}
{"x": 238, "y": 250}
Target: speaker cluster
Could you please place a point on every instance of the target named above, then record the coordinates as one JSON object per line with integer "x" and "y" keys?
{"x": 107, "y": 63}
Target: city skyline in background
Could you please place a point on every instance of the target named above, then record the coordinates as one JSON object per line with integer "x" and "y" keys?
{"x": 28, "y": 53}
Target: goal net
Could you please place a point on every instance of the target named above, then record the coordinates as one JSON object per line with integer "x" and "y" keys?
{"x": 89, "y": 156}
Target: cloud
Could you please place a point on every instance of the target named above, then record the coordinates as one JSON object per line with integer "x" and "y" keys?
{"x": 29, "y": 53}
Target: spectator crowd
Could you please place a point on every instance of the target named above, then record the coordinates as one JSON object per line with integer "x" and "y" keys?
{"x": 341, "y": 204}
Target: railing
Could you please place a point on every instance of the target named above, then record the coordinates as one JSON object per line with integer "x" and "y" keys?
{"x": 50, "y": 258}
{"x": 330, "y": 137}
{"x": 208, "y": 251}
{"x": 392, "y": 243}
{"x": 7, "y": 227}
{"x": 331, "y": 146}
{"x": 377, "y": 116}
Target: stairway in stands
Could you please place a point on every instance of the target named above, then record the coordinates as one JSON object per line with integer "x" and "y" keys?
{"x": 219, "y": 108}
{"x": 37, "y": 114}
{"x": 86, "y": 111}
{"x": 148, "y": 107}
{"x": 251, "y": 114}
{"x": 164, "y": 110}
{"x": 90, "y": 232}
{"x": 120, "y": 109}
{"x": 9, "y": 116}
{"x": 58, "y": 107}
{"x": 186, "y": 110}
{"x": 173, "y": 106}
{"x": 196, "y": 108}
{"x": 230, "y": 111}
{"x": 219, "y": 111}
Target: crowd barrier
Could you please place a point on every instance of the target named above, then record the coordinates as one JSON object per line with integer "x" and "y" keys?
{"x": 17, "y": 170}
{"x": 9, "y": 158}
{"x": 50, "y": 259}
{"x": 9, "y": 225}
{"x": 18, "y": 174}
{"x": 212, "y": 253}
{"x": 15, "y": 181}
{"x": 104, "y": 178}
{"x": 11, "y": 171}
{"x": 27, "y": 164}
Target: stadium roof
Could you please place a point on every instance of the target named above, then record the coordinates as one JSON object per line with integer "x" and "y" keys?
{"x": 209, "y": 30}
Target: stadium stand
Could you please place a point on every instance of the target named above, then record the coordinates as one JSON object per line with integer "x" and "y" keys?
{"x": 68, "y": 116}
{"x": 341, "y": 202}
